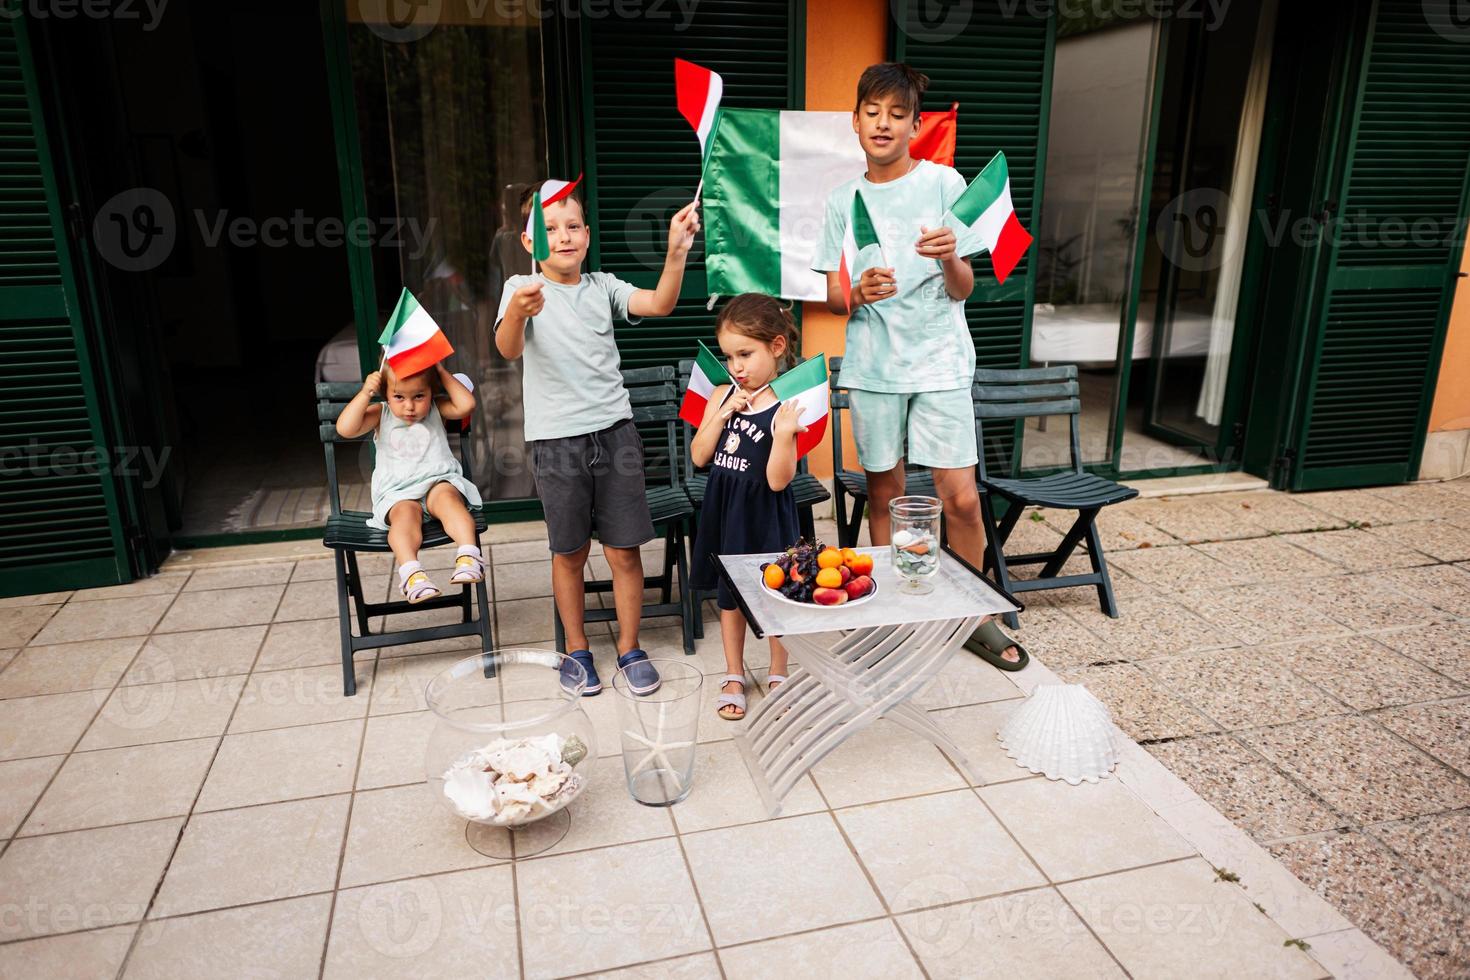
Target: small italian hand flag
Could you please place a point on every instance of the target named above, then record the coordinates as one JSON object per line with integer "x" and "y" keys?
{"x": 698, "y": 91}
{"x": 708, "y": 374}
{"x": 858, "y": 236}
{"x": 412, "y": 341}
{"x": 985, "y": 208}
{"x": 806, "y": 384}
{"x": 549, "y": 193}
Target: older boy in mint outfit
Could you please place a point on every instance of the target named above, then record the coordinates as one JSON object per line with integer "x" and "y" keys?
{"x": 585, "y": 454}
{"x": 909, "y": 360}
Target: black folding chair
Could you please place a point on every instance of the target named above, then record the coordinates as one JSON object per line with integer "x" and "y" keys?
{"x": 808, "y": 489}
{"x": 347, "y": 533}
{"x": 1037, "y": 393}
{"x": 655, "y": 399}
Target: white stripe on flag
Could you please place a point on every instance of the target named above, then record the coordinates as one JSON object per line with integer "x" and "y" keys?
{"x": 711, "y": 103}
{"x": 416, "y": 330}
{"x": 993, "y": 219}
{"x": 813, "y": 403}
{"x": 700, "y": 384}
{"x": 817, "y": 152}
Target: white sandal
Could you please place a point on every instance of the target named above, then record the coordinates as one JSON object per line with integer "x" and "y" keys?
{"x": 468, "y": 569}
{"x": 417, "y": 588}
{"x": 736, "y": 701}
{"x": 773, "y": 681}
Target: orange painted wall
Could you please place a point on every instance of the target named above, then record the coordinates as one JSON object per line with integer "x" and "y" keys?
{"x": 842, "y": 38}
{"x": 1452, "y": 393}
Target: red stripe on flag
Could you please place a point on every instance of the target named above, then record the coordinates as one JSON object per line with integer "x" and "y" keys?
{"x": 562, "y": 194}
{"x": 811, "y": 438}
{"x": 691, "y": 410}
{"x": 937, "y": 134}
{"x": 691, "y": 89}
{"x": 422, "y": 357}
{"x": 844, "y": 276}
{"x": 1012, "y": 244}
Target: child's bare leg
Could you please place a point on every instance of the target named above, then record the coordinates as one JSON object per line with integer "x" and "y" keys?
{"x": 405, "y": 531}
{"x": 882, "y": 488}
{"x": 778, "y": 662}
{"x": 732, "y": 635}
{"x": 627, "y": 578}
{"x": 571, "y": 596}
{"x": 447, "y": 505}
{"x": 956, "y": 489}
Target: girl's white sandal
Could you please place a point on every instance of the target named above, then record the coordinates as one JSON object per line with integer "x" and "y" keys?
{"x": 467, "y": 570}
{"x": 417, "y": 588}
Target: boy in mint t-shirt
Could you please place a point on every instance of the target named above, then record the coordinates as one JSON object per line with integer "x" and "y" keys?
{"x": 585, "y": 454}
{"x": 909, "y": 360}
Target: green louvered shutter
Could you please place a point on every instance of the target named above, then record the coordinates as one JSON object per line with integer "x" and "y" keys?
{"x": 642, "y": 157}
{"x": 58, "y": 515}
{"x": 998, "y": 68}
{"x": 1374, "y": 352}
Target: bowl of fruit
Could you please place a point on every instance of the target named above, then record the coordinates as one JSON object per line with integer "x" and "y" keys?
{"x": 816, "y": 575}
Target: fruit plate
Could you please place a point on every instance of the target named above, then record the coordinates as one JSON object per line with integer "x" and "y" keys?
{"x": 776, "y": 594}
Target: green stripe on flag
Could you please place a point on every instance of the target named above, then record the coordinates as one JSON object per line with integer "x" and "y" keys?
{"x": 540, "y": 246}
{"x": 983, "y": 190}
{"x": 407, "y": 307}
{"x": 709, "y": 363}
{"x": 807, "y": 374}
{"x": 862, "y": 222}
{"x": 742, "y": 183}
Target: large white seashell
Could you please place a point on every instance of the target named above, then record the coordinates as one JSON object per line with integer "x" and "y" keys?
{"x": 471, "y": 791}
{"x": 1062, "y": 732}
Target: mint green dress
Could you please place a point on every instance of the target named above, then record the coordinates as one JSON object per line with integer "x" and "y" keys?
{"x": 410, "y": 459}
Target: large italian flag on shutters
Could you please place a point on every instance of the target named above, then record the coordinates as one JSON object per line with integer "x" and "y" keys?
{"x": 806, "y": 384}
{"x": 766, "y": 179}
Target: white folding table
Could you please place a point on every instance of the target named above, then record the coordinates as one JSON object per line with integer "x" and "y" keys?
{"x": 852, "y": 665}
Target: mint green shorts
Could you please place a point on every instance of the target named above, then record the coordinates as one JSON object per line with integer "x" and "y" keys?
{"x": 938, "y": 427}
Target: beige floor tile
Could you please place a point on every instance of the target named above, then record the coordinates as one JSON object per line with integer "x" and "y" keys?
{"x": 1242, "y": 688}
{"x": 84, "y": 666}
{"x": 315, "y": 599}
{"x": 1120, "y": 530}
{"x": 142, "y": 713}
{"x": 44, "y": 725}
{"x": 302, "y": 696}
{"x": 1361, "y": 769}
{"x": 1364, "y": 674}
{"x": 313, "y": 569}
{"x": 287, "y": 764}
{"x": 400, "y": 682}
{"x": 440, "y": 926}
{"x": 146, "y": 782}
{"x": 36, "y": 599}
{"x": 1386, "y": 899}
{"x": 523, "y": 580}
{"x": 1122, "y": 832}
{"x": 921, "y": 852}
{"x": 1195, "y": 518}
{"x": 746, "y": 899}
{"x": 1244, "y": 787}
{"x": 163, "y": 583}
{"x": 393, "y": 749}
{"x": 515, "y": 552}
{"x": 90, "y": 879}
{"x": 1445, "y": 647}
{"x": 603, "y": 816}
{"x": 1436, "y": 846}
{"x": 1442, "y": 730}
{"x": 220, "y": 608}
{"x": 1178, "y": 920}
{"x": 1349, "y": 954}
{"x": 1269, "y": 560}
{"x": 724, "y": 794}
{"x": 1150, "y": 628}
{"x": 100, "y": 620}
{"x": 1176, "y": 569}
{"x": 701, "y": 966}
{"x": 882, "y": 762}
{"x": 1055, "y": 639}
{"x": 79, "y": 954}
{"x": 1446, "y": 587}
{"x": 1140, "y": 706}
{"x": 966, "y": 679}
{"x": 1029, "y": 934}
{"x": 1355, "y": 505}
{"x": 1358, "y": 550}
{"x": 1437, "y": 539}
{"x": 603, "y": 909}
{"x": 1273, "y": 511}
{"x": 402, "y": 832}
{"x": 973, "y": 728}
{"x": 206, "y": 653}
{"x": 6, "y": 656}
{"x": 21, "y": 783}
{"x": 256, "y": 854}
{"x": 1343, "y": 598}
{"x": 524, "y": 621}
{"x": 280, "y": 939}
{"x": 1260, "y": 613}
{"x": 872, "y": 950}
{"x": 305, "y": 643}
{"x": 239, "y": 576}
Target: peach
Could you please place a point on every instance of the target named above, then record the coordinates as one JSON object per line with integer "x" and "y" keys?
{"x": 845, "y": 572}
{"x": 828, "y": 597}
{"x": 862, "y": 565}
{"x": 859, "y": 587}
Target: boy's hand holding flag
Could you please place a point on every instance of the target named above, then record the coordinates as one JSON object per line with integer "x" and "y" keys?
{"x": 985, "y": 208}
{"x": 412, "y": 341}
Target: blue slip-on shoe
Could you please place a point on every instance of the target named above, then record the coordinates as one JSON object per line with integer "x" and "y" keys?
{"x": 642, "y": 676}
{"x": 569, "y": 678}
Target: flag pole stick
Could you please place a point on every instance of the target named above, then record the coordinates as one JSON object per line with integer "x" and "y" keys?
{"x": 697, "y": 189}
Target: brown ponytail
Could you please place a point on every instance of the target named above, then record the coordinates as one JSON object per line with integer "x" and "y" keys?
{"x": 763, "y": 318}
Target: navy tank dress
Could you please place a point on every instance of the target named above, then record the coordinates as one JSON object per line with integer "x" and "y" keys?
{"x": 741, "y": 514}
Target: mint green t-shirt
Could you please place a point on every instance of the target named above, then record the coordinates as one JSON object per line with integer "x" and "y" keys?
{"x": 915, "y": 340}
{"x": 570, "y": 376}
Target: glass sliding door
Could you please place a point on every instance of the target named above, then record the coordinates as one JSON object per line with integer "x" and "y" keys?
{"x": 451, "y": 123}
{"x": 1087, "y": 227}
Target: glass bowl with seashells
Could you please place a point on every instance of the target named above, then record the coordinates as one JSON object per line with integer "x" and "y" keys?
{"x": 510, "y": 743}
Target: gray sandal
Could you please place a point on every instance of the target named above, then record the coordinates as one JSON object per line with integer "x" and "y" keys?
{"x": 736, "y": 701}
{"x": 989, "y": 642}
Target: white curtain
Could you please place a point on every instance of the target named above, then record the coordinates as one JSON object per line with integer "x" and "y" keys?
{"x": 1237, "y": 222}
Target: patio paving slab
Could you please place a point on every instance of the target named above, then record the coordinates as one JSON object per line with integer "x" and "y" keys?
{"x": 84, "y": 666}
{"x": 145, "y": 782}
{"x": 1141, "y": 707}
{"x": 1245, "y": 687}
{"x": 173, "y": 710}
{"x": 279, "y": 939}
{"x": 203, "y": 653}
{"x": 1442, "y": 730}
{"x": 78, "y": 620}
{"x": 863, "y": 951}
{"x": 83, "y": 954}
{"x": 1364, "y": 674}
{"x": 21, "y": 784}
{"x": 1435, "y": 844}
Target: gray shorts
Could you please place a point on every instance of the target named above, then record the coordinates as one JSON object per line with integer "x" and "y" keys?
{"x": 593, "y": 480}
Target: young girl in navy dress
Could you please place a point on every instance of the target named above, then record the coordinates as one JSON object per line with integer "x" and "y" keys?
{"x": 748, "y": 440}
